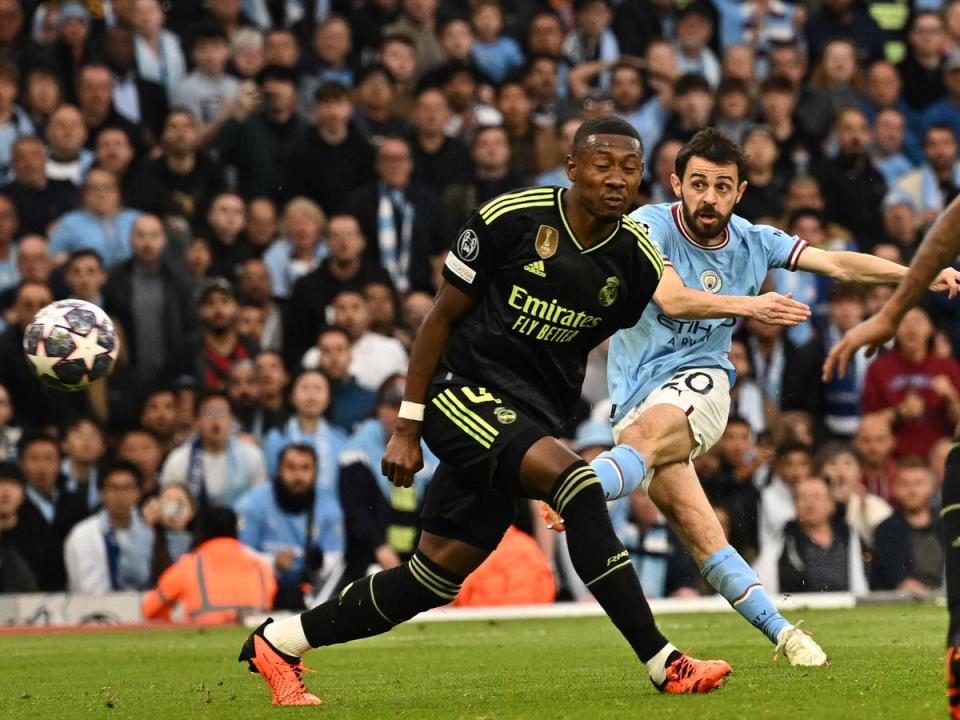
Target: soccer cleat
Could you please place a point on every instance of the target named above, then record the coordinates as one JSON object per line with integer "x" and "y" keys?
{"x": 800, "y": 648}
{"x": 689, "y": 675}
{"x": 552, "y": 518}
{"x": 953, "y": 682}
{"x": 281, "y": 672}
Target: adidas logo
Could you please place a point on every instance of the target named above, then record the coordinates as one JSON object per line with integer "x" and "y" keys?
{"x": 536, "y": 268}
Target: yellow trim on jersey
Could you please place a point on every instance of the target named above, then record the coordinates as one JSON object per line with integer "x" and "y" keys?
{"x": 648, "y": 248}
{"x": 476, "y": 418}
{"x": 521, "y": 206}
{"x": 466, "y": 428}
{"x": 563, "y": 217}
{"x": 511, "y": 198}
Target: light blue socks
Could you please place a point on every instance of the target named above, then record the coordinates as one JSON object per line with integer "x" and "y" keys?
{"x": 729, "y": 575}
{"x": 620, "y": 470}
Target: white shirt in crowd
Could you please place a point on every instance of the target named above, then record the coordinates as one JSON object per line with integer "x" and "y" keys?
{"x": 374, "y": 358}
{"x": 227, "y": 474}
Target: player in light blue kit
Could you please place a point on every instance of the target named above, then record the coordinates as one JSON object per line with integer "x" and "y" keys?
{"x": 670, "y": 378}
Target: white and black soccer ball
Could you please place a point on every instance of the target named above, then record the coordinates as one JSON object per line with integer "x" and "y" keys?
{"x": 70, "y": 344}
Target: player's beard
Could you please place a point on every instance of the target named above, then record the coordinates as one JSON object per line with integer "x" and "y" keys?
{"x": 697, "y": 229}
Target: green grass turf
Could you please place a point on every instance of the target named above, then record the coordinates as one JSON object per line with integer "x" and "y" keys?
{"x": 887, "y": 664}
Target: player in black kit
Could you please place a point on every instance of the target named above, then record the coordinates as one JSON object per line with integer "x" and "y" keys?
{"x": 535, "y": 280}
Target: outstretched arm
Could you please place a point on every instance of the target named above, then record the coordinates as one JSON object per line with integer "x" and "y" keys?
{"x": 940, "y": 247}
{"x": 679, "y": 301}
{"x": 870, "y": 270}
{"x": 403, "y": 457}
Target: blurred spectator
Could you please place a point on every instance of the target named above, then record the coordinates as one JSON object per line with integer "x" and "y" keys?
{"x": 152, "y": 304}
{"x": 68, "y": 159}
{"x": 398, "y": 55}
{"x": 332, "y": 53}
{"x": 111, "y": 550}
{"x": 401, "y": 219}
{"x": 254, "y": 286}
{"x": 244, "y": 393}
{"x": 217, "y": 582}
{"x": 36, "y": 403}
{"x": 300, "y": 249}
{"x": 557, "y": 175}
{"x": 310, "y": 398}
{"x": 765, "y": 188}
{"x": 187, "y": 178}
{"x": 692, "y": 107}
{"x": 39, "y": 200}
{"x": 784, "y": 375}
{"x": 819, "y": 551}
{"x": 415, "y": 308}
{"x": 493, "y": 174}
{"x": 14, "y": 121}
{"x": 845, "y": 19}
{"x": 592, "y": 40}
{"x": 438, "y": 160}
{"x": 83, "y": 449}
{"x": 216, "y": 467}
{"x": 494, "y": 53}
{"x": 945, "y": 111}
{"x": 792, "y": 464}
{"x": 139, "y": 100}
{"x": 15, "y": 573}
{"x": 95, "y": 102}
{"x": 936, "y": 182}
{"x": 694, "y": 32}
{"x": 368, "y": 21}
{"x": 542, "y": 80}
{"x": 417, "y": 21}
{"x": 374, "y": 115}
{"x": 920, "y": 69}
{"x": 33, "y": 264}
{"x": 908, "y": 554}
{"x": 886, "y": 154}
{"x": 246, "y": 54}
{"x": 171, "y": 513}
{"x": 10, "y": 433}
{"x": 838, "y": 75}
{"x": 884, "y": 89}
{"x": 273, "y": 379}
{"x": 159, "y": 56}
{"x": 839, "y": 465}
{"x": 875, "y": 444}
{"x": 8, "y": 233}
{"x": 459, "y": 84}
{"x": 220, "y": 345}
{"x": 262, "y": 226}
{"x": 345, "y": 268}
{"x": 814, "y": 110}
{"x": 734, "y": 111}
{"x": 916, "y": 391}
{"x": 50, "y": 510}
{"x": 299, "y": 529}
{"x": 103, "y": 224}
{"x": 208, "y": 93}
{"x": 138, "y": 188}
{"x": 532, "y": 148}
{"x": 851, "y": 184}
{"x": 746, "y": 398}
{"x": 350, "y": 404}
{"x": 901, "y": 223}
{"x": 333, "y": 158}
{"x": 142, "y": 448}
{"x": 380, "y": 520}
{"x": 229, "y": 247}
{"x": 382, "y": 306}
{"x": 456, "y": 37}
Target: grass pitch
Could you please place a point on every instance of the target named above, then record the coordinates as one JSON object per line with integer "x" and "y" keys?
{"x": 887, "y": 663}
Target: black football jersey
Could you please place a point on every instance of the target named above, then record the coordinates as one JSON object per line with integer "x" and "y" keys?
{"x": 543, "y": 301}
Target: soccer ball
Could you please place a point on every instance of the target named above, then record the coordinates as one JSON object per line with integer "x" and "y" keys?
{"x": 70, "y": 344}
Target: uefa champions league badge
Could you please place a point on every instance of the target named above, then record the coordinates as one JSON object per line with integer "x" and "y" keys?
{"x": 468, "y": 245}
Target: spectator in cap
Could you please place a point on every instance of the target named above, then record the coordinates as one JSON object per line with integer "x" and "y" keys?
{"x": 946, "y": 111}
{"x": 159, "y": 56}
{"x": 221, "y": 345}
{"x": 16, "y": 575}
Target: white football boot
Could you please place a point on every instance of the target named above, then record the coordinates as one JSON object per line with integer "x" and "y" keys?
{"x": 800, "y": 648}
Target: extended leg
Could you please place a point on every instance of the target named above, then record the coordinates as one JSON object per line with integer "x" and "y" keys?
{"x": 950, "y": 516}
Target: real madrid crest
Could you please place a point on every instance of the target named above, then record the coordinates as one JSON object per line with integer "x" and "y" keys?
{"x": 608, "y": 293}
{"x": 505, "y": 416}
{"x": 711, "y": 281}
{"x": 547, "y": 242}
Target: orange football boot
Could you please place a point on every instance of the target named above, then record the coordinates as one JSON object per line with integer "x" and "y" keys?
{"x": 552, "y": 518}
{"x": 280, "y": 671}
{"x": 953, "y": 682}
{"x": 689, "y": 675}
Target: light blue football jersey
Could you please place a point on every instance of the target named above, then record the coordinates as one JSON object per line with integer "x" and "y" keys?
{"x": 647, "y": 355}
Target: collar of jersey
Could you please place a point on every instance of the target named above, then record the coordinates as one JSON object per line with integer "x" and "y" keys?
{"x": 563, "y": 217}
{"x": 678, "y": 220}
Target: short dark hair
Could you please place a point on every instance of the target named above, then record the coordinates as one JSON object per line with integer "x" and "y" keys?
{"x": 207, "y": 397}
{"x": 209, "y": 31}
{"x": 372, "y": 69}
{"x": 79, "y": 420}
{"x": 793, "y": 446}
{"x": 337, "y": 329}
{"x": 215, "y": 522}
{"x": 939, "y": 127}
{"x": 119, "y": 466}
{"x": 299, "y": 447}
{"x": 12, "y": 471}
{"x": 277, "y": 73}
{"x": 605, "y": 125}
{"x": 713, "y": 146}
{"x": 33, "y": 438}
{"x": 799, "y": 214}
{"x": 83, "y": 253}
{"x": 691, "y": 82}
{"x": 331, "y": 91}
{"x": 398, "y": 37}
{"x": 777, "y": 83}
{"x": 739, "y": 420}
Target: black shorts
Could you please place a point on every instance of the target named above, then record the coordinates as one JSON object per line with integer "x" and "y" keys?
{"x": 480, "y": 439}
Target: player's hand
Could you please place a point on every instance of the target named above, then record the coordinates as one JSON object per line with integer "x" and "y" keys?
{"x": 776, "y": 309}
{"x": 947, "y": 280}
{"x": 403, "y": 458}
{"x": 873, "y": 333}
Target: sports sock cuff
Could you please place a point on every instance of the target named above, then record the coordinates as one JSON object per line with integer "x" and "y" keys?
{"x": 572, "y": 481}
{"x": 716, "y": 559}
{"x": 439, "y": 581}
{"x": 620, "y": 470}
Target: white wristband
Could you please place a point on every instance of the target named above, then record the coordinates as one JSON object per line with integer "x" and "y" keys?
{"x": 411, "y": 411}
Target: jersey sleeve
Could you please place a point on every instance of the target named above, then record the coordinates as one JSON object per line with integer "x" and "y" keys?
{"x": 472, "y": 258}
{"x": 782, "y": 250}
{"x": 657, "y": 229}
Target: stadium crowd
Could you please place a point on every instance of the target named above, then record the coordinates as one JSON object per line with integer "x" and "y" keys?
{"x": 262, "y": 193}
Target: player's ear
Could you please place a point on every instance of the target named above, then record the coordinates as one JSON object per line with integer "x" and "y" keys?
{"x": 740, "y": 190}
{"x": 675, "y": 184}
{"x": 571, "y": 164}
